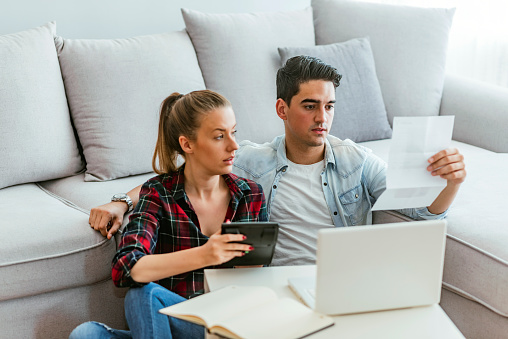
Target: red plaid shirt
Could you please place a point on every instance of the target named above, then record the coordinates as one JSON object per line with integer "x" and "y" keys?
{"x": 164, "y": 221}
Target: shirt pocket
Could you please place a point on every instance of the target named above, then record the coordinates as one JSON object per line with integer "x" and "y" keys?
{"x": 355, "y": 205}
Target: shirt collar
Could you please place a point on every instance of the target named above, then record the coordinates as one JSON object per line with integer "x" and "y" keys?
{"x": 237, "y": 186}
{"x": 282, "y": 160}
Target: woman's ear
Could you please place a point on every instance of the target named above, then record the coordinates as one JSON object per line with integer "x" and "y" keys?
{"x": 185, "y": 144}
{"x": 281, "y": 108}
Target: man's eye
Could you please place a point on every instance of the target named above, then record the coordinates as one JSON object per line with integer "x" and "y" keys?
{"x": 309, "y": 107}
{"x": 329, "y": 107}
{"x": 234, "y": 132}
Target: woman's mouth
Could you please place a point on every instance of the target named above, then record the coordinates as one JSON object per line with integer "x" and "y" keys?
{"x": 229, "y": 160}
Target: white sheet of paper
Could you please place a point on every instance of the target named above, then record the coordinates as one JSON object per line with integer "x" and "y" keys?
{"x": 414, "y": 140}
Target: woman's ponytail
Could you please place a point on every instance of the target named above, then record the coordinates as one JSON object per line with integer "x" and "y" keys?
{"x": 164, "y": 157}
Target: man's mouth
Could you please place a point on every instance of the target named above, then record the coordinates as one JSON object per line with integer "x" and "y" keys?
{"x": 319, "y": 130}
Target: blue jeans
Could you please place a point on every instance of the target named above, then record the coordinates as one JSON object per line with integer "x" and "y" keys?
{"x": 142, "y": 305}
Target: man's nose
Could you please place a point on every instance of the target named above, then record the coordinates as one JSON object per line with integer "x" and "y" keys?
{"x": 321, "y": 115}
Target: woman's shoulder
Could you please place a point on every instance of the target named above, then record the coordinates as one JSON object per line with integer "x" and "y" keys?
{"x": 164, "y": 182}
{"x": 245, "y": 184}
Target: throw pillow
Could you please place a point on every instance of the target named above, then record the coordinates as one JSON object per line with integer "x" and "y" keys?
{"x": 408, "y": 43}
{"x": 115, "y": 89}
{"x": 360, "y": 113}
{"x": 238, "y": 56}
{"x": 37, "y": 141}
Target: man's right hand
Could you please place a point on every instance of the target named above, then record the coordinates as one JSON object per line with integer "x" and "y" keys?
{"x": 108, "y": 218}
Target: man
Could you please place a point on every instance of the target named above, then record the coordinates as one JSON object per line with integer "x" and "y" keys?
{"x": 312, "y": 180}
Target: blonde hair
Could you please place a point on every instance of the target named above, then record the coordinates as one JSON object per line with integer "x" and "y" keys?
{"x": 180, "y": 115}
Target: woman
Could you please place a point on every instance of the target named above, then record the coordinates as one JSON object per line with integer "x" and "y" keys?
{"x": 174, "y": 231}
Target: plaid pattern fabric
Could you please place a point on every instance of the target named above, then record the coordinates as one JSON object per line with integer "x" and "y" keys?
{"x": 164, "y": 221}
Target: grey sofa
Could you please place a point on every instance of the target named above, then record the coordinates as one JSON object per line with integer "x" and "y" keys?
{"x": 78, "y": 122}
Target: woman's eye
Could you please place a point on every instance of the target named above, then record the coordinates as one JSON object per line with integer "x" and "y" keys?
{"x": 219, "y": 137}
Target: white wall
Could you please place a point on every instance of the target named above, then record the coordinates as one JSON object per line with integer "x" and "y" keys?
{"x": 121, "y": 18}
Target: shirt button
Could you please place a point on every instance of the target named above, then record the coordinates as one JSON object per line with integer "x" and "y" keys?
{"x": 356, "y": 196}
{"x": 325, "y": 184}
{"x": 335, "y": 213}
{"x": 284, "y": 169}
{"x": 274, "y": 186}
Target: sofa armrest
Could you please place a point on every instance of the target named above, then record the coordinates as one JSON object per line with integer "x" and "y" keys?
{"x": 481, "y": 112}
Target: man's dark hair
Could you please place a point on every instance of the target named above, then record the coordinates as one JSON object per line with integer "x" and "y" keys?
{"x": 300, "y": 69}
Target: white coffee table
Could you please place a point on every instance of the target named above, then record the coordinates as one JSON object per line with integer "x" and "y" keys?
{"x": 429, "y": 322}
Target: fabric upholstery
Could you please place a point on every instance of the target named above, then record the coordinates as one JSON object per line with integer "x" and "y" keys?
{"x": 36, "y": 137}
{"x": 86, "y": 195}
{"x": 52, "y": 244}
{"x": 465, "y": 98}
{"x": 409, "y": 46}
{"x": 474, "y": 320}
{"x": 115, "y": 89}
{"x": 360, "y": 113}
{"x": 55, "y": 314}
{"x": 243, "y": 66}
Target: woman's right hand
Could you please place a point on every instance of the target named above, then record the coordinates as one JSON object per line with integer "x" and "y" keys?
{"x": 221, "y": 248}
{"x": 108, "y": 218}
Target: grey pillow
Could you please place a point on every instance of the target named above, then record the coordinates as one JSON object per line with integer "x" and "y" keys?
{"x": 115, "y": 89}
{"x": 238, "y": 56}
{"x": 360, "y": 113}
{"x": 408, "y": 43}
{"x": 37, "y": 141}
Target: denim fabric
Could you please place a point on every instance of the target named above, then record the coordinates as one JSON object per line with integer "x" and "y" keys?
{"x": 352, "y": 180}
{"x": 142, "y": 305}
{"x": 97, "y": 330}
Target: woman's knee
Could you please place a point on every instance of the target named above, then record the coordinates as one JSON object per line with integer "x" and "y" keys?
{"x": 151, "y": 292}
{"x": 89, "y": 329}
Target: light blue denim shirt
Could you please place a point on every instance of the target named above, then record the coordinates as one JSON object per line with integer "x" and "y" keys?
{"x": 352, "y": 179}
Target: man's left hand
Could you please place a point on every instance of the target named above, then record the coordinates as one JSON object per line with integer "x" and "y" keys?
{"x": 449, "y": 165}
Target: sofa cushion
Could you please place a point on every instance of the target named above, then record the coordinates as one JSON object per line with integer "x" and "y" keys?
{"x": 476, "y": 258}
{"x": 409, "y": 46}
{"x": 36, "y": 136}
{"x": 238, "y": 56}
{"x": 51, "y": 247}
{"x": 86, "y": 195}
{"x": 360, "y": 113}
{"x": 115, "y": 89}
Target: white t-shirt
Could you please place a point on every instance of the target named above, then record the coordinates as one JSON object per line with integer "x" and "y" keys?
{"x": 301, "y": 210}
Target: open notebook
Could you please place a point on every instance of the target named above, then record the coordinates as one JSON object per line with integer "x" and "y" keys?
{"x": 373, "y": 268}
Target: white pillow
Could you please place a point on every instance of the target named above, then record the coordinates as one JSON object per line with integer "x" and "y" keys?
{"x": 115, "y": 89}
{"x": 409, "y": 46}
{"x": 37, "y": 141}
{"x": 238, "y": 56}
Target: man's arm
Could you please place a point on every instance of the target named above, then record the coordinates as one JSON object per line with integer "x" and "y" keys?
{"x": 449, "y": 164}
{"x": 108, "y": 218}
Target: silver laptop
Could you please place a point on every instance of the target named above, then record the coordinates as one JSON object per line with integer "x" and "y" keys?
{"x": 373, "y": 268}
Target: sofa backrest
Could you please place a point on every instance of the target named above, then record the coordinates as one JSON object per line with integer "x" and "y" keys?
{"x": 114, "y": 86}
{"x": 36, "y": 137}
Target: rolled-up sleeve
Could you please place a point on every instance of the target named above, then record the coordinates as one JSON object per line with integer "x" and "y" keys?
{"x": 422, "y": 213}
{"x": 139, "y": 237}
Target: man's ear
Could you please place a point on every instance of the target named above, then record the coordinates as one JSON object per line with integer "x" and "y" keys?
{"x": 281, "y": 107}
{"x": 185, "y": 144}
